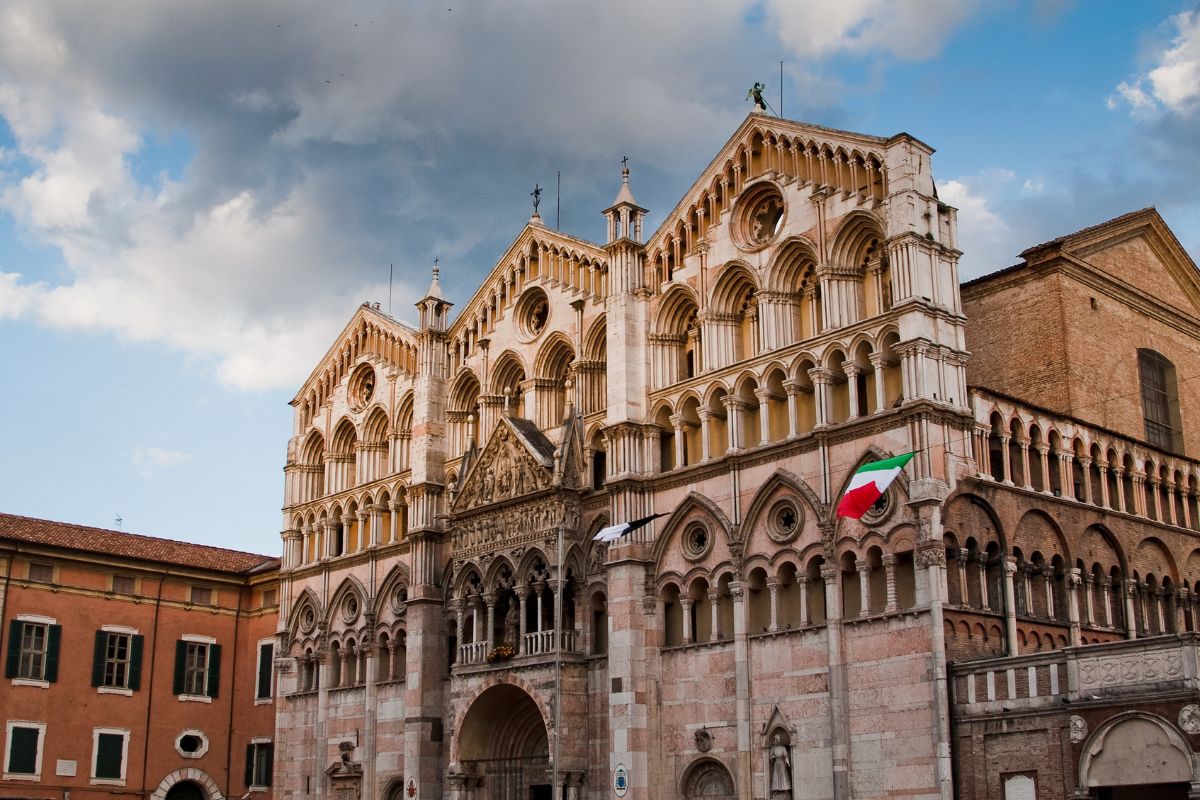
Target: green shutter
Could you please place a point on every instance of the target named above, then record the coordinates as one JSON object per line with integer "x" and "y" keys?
{"x": 266, "y": 659}
{"x": 109, "y": 749}
{"x": 52, "y": 640}
{"x": 98, "y": 654}
{"x": 180, "y": 665}
{"x": 13, "y": 663}
{"x": 135, "y": 662}
{"x": 249, "y": 765}
{"x": 214, "y": 669}
{"x": 22, "y": 751}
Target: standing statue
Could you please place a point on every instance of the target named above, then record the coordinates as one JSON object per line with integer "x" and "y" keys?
{"x": 511, "y": 622}
{"x": 781, "y": 770}
{"x": 756, "y": 91}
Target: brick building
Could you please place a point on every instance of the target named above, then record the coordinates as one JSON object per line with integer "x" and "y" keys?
{"x": 134, "y": 666}
{"x": 1011, "y": 620}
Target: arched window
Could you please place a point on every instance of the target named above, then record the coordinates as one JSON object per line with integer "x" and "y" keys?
{"x": 1160, "y": 401}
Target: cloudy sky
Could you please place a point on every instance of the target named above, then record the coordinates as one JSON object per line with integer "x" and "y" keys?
{"x": 194, "y": 196}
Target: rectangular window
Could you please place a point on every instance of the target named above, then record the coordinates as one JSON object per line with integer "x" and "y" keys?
{"x": 202, "y": 596}
{"x": 266, "y": 663}
{"x": 124, "y": 584}
{"x": 1160, "y": 401}
{"x": 110, "y": 747}
{"x": 259, "y": 756}
{"x": 41, "y": 573}
{"x": 195, "y": 678}
{"x": 270, "y": 597}
{"x": 23, "y": 753}
{"x": 197, "y": 667}
{"x": 117, "y": 659}
{"x": 33, "y": 649}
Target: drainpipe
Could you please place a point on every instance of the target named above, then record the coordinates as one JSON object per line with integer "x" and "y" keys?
{"x": 237, "y": 622}
{"x": 162, "y": 578}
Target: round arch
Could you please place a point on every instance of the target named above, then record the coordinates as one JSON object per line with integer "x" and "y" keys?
{"x": 182, "y": 781}
{"x": 1134, "y": 749}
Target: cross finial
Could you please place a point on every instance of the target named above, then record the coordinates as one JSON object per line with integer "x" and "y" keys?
{"x": 625, "y": 162}
{"x": 536, "y": 194}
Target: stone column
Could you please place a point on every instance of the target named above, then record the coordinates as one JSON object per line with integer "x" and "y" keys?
{"x": 764, "y": 414}
{"x": 1010, "y": 605}
{"x": 1120, "y": 475}
{"x": 802, "y": 582}
{"x": 319, "y": 741}
{"x": 1006, "y": 459}
{"x": 773, "y": 591}
{"x": 964, "y": 596}
{"x": 705, "y": 416}
{"x": 1073, "y": 581}
{"x": 1106, "y": 590}
{"x": 714, "y": 607}
{"x": 879, "y": 364}
{"x": 820, "y": 379}
{"x": 792, "y": 388}
{"x": 456, "y": 607}
{"x": 524, "y": 596}
{"x": 984, "y": 600}
{"x": 1089, "y": 597}
{"x": 369, "y": 721}
{"x": 1026, "y": 481}
{"x": 685, "y": 605}
{"x": 1043, "y": 452}
{"x": 733, "y": 417}
{"x": 852, "y": 372}
{"x": 864, "y": 589}
{"x": 489, "y": 599}
{"x": 1180, "y": 604}
{"x": 889, "y": 567}
{"x": 1048, "y": 577}
{"x": 1131, "y": 590}
{"x": 1085, "y": 464}
{"x": 838, "y": 690}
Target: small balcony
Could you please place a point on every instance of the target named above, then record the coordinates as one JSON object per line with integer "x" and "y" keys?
{"x": 532, "y": 645}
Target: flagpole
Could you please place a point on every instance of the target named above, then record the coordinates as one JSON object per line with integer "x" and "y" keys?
{"x": 558, "y": 633}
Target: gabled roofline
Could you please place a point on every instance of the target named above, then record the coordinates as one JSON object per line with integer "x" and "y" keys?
{"x": 364, "y": 310}
{"x": 754, "y": 119}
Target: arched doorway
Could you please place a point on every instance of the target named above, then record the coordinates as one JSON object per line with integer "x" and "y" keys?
{"x": 708, "y": 779}
{"x": 503, "y": 741}
{"x": 187, "y": 790}
{"x": 1137, "y": 757}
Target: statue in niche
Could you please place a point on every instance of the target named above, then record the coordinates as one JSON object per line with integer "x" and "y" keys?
{"x": 781, "y": 768}
{"x": 511, "y": 622}
{"x": 487, "y": 485}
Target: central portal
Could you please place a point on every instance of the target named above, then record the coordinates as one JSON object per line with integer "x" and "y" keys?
{"x": 504, "y": 743}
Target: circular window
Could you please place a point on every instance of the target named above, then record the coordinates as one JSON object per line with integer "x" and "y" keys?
{"x": 361, "y": 388}
{"x": 308, "y": 619}
{"x": 350, "y": 609}
{"x": 399, "y": 599}
{"x": 697, "y": 541}
{"x": 191, "y": 743}
{"x": 533, "y": 314}
{"x": 784, "y": 521}
{"x": 759, "y": 216}
{"x": 880, "y": 510}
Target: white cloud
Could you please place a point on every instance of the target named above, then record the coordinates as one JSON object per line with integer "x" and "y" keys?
{"x": 149, "y": 460}
{"x": 15, "y": 298}
{"x": 984, "y": 236}
{"x": 908, "y": 29}
{"x": 1174, "y": 83}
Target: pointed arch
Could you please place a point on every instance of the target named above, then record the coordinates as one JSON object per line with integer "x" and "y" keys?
{"x": 785, "y": 481}
{"x": 350, "y": 585}
{"x": 692, "y": 503}
{"x": 872, "y": 453}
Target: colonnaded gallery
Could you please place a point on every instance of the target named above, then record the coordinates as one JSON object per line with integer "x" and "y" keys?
{"x": 1012, "y": 619}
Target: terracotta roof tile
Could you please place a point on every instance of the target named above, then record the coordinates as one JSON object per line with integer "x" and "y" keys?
{"x": 127, "y": 545}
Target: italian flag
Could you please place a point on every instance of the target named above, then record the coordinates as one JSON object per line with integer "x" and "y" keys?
{"x": 868, "y": 484}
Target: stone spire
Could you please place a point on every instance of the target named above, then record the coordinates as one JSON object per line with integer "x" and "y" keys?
{"x": 625, "y": 215}
{"x": 435, "y": 286}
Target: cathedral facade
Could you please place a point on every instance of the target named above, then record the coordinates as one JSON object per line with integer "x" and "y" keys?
{"x": 449, "y": 627}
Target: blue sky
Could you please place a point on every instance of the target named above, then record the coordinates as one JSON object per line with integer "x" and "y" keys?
{"x": 194, "y": 197}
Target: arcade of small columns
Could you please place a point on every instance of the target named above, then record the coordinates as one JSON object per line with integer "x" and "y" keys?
{"x": 349, "y": 663}
{"x": 754, "y": 414}
{"x": 1020, "y": 455}
{"x": 1098, "y": 599}
{"x": 474, "y": 611}
{"x": 880, "y": 583}
{"x": 317, "y": 535}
